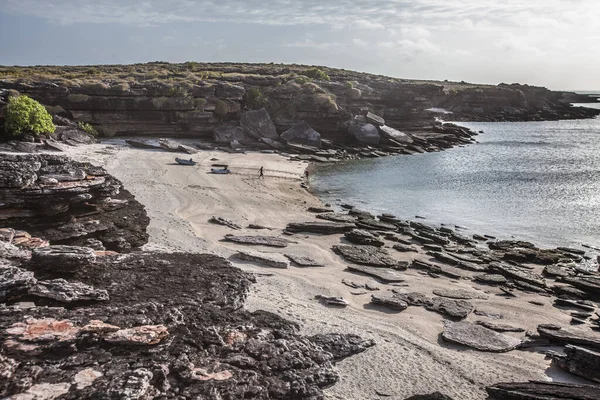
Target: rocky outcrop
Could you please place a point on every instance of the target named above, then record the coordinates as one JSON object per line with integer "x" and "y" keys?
{"x": 270, "y": 241}
{"x": 154, "y": 337}
{"x": 67, "y": 202}
{"x": 363, "y": 132}
{"x": 580, "y": 361}
{"x": 258, "y": 125}
{"x": 324, "y": 228}
{"x": 543, "y": 391}
{"x": 269, "y": 259}
{"x": 360, "y": 236}
{"x": 368, "y": 255}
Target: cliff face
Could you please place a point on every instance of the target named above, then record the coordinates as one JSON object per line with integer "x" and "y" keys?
{"x": 191, "y": 100}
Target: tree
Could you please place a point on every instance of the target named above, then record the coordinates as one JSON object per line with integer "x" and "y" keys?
{"x": 25, "y": 115}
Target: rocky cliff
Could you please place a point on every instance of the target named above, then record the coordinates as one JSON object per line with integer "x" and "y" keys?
{"x": 192, "y": 99}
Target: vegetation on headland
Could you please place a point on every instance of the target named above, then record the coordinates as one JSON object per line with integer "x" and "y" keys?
{"x": 24, "y": 115}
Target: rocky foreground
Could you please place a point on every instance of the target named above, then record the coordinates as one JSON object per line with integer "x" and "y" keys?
{"x": 89, "y": 323}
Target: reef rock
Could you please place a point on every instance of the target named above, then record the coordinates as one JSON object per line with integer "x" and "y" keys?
{"x": 478, "y": 337}
{"x": 368, "y": 255}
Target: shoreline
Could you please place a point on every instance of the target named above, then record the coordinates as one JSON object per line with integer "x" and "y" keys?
{"x": 409, "y": 357}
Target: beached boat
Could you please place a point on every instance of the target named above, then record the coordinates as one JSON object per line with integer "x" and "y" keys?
{"x": 224, "y": 170}
{"x": 185, "y": 162}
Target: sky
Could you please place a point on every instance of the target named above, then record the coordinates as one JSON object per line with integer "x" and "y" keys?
{"x": 552, "y": 43}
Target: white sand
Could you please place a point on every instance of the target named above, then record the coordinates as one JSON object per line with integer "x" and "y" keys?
{"x": 409, "y": 357}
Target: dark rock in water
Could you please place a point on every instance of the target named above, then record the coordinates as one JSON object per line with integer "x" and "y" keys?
{"x": 543, "y": 391}
{"x": 384, "y": 275}
{"x": 258, "y": 124}
{"x": 368, "y": 255}
{"x": 404, "y": 248}
{"x": 225, "y": 222}
{"x": 14, "y": 282}
{"x": 302, "y": 133}
{"x": 67, "y": 292}
{"x": 61, "y": 259}
{"x": 480, "y": 238}
{"x": 494, "y": 279}
{"x": 431, "y": 396}
{"x": 304, "y": 261}
{"x": 499, "y": 327}
{"x": 360, "y": 236}
{"x": 570, "y": 336}
{"x": 325, "y": 228}
{"x": 342, "y": 346}
{"x": 270, "y": 241}
{"x": 364, "y": 133}
{"x": 392, "y": 302}
{"x": 478, "y": 337}
{"x": 453, "y": 308}
{"x": 460, "y": 294}
{"x": 332, "y": 301}
{"x": 580, "y": 361}
{"x": 65, "y": 201}
{"x": 347, "y": 206}
{"x": 173, "y": 324}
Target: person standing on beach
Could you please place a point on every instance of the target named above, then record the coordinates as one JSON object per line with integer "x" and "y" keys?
{"x": 307, "y": 176}
{"x": 261, "y": 173}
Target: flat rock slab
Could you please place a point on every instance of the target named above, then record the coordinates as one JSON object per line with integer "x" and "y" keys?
{"x": 257, "y": 240}
{"x": 460, "y": 294}
{"x": 270, "y": 259}
{"x": 303, "y": 261}
{"x": 453, "y": 308}
{"x": 543, "y": 391}
{"x": 15, "y": 281}
{"x": 479, "y": 337}
{"x": 325, "y": 228}
{"x": 360, "y": 236}
{"x": 384, "y": 275}
{"x": 337, "y": 217}
{"x": 571, "y": 336}
{"x": 581, "y": 361}
{"x": 492, "y": 279}
{"x": 392, "y": 302}
{"x": 67, "y": 292}
{"x": 368, "y": 255}
{"x": 499, "y": 327}
{"x": 62, "y": 258}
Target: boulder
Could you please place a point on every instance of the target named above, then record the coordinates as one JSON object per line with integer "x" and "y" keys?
{"x": 580, "y": 361}
{"x": 364, "y": 133}
{"x": 226, "y": 134}
{"x": 59, "y": 258}
{"x": 67, "y": 292}
{"x": 392, "y": 302}
{"x": 478, "y": 337}
{"x": 270, "y": 241}
{"x": 14, "y": 282}
{"x": 368, "y": 255}
{"x": 270, "y": 259}
{"x": 302, "y": 133}
{"x": 332, "y": 300}
{"x": 393, "y": 134}
{"x": 374, "y": 119}
{"x": 77, "y": 136}
{"x": 359, "y": 236}
{"x": 258, "y": 124}
{"x": 458, "y": 309}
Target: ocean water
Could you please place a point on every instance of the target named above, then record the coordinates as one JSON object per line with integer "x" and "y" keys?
{"x": 535, "y": 181}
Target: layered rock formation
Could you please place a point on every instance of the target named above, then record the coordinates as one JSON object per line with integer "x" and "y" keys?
{"x": 67, "y": 202}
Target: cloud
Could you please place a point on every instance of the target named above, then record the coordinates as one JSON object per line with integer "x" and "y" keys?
{"x": 366, "y": 24}
{"x": 360, "y": 42}
{"x": 309, "y": 43}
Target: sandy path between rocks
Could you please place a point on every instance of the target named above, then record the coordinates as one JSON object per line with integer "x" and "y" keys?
{"x": 409, "y": 358}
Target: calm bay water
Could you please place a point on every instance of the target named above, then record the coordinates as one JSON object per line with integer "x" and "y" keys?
{"x": 536, "y": 181}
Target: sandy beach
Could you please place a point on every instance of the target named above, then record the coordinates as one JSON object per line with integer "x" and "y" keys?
{"x": 409, "y": 357}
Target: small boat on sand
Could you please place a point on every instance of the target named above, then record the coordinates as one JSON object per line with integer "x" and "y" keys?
{"x": 223, "y": 170}
{"x": 185, "y": 162}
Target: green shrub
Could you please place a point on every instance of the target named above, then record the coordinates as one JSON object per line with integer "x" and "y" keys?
{"x": 349, "y": 85}
{"x": 302, "y": 80}
{"x": 221, "y": 109}
{"x": 315, "y": 73}
{"x": 255, "y": 99}
{"x": 84, "y": 126}
{"x": 200, "y": 103}
{"x": 25, "y": 115}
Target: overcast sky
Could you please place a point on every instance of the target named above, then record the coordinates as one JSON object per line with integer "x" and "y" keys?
{"x": 554, "y": 43}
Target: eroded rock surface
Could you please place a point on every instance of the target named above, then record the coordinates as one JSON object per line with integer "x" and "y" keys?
{"x": 369, "y": 255}
{"x": 478, "y": 337}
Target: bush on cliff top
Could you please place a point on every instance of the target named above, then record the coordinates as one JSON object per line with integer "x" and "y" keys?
{"x": 255, "y": 99}
{"x": 25, "y": 115}
{"x": 316, "y": 73}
